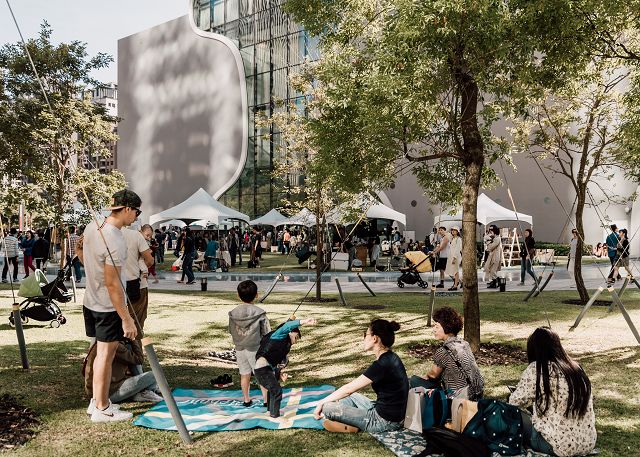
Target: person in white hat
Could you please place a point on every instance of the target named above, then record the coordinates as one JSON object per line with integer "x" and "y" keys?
{"x": 455, "y": 257}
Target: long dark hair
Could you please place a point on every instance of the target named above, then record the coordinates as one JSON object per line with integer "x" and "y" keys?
{"x": 544, "y": 348}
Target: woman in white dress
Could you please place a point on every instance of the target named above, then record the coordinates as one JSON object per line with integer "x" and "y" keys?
{"x": 455, "y": 257}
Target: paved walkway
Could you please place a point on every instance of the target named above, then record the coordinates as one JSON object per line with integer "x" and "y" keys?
{"x": 380, "y": 282}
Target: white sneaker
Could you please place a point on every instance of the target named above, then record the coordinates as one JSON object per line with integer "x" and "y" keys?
{"x": 110, "y": 414}
{"x": 147, "y": 396}
{"x": 92, "y": 406}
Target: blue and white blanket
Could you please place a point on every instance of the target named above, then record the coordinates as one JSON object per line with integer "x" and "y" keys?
{"x": 222, "y": 410}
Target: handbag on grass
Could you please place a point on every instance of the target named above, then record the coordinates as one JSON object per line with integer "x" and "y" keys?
{"x": 425, "y": 411}
{"x": 462, "y": 411}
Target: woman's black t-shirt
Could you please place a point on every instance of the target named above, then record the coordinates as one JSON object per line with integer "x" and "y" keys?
{"x": 391, "y": 385}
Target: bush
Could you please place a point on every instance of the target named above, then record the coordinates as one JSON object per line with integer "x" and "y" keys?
{"x": 563, "y": 249}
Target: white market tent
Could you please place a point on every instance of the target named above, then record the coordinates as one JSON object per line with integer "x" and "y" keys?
{"x": 273, "y": 217}
{"x": 375, "y": 211}
{"x": 380, "y": 211}
{"x": 488, "y": 213}
{"x": 303, "y": 217}
{"x": 199, "y": 206}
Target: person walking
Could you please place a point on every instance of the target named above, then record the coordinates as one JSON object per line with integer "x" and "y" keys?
{"x": 493, "y": 251}
{"x": 526, "y": 256}
{"x": 189, "y": 256}
{"x": 442, "y": 251}
{"x": 74, "y": 236}
{"x": 455, "y": 257}
{"x": 10, "y": 248}
{"x": 233, "y": 243}
{"x": 27, "y": 248}
{"x": 623, "y": 253}
{"x": 612, "y": 252}
{"x": 40, "y": 250}
{"x": 160, "y": 239}
{"x": 103, "y": 252}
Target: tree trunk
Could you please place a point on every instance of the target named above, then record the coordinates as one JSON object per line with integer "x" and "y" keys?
{"x": 577, "y": 268}
{"x": 473, "y": 160}
{"x": 319, "y": 246}
{"x": 59, "y": 219}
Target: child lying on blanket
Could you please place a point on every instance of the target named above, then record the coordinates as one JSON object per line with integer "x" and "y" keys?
{"x": 348, "y": 411}
{"x": 273, "y": 351}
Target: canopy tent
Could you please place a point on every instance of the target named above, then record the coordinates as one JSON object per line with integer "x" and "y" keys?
{"x": 380, "y": 211}
{"x": 488, "y": 213}
{"x": 199, "y": 206}
{"x": 303, "y": 217}
{"x": 273, "y": 217}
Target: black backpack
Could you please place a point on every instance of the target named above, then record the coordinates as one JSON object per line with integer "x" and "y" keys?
{"x": 452, "y": 444}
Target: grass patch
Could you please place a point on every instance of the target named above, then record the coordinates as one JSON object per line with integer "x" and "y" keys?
{"x": 185, "y": 325}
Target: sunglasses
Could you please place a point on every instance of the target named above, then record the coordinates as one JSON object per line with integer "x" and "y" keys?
{"x": 137, "y": 210}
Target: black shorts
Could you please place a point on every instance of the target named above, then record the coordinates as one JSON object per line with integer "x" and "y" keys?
{"x": 441, "y": 264}
{"x": 104, "y": 327}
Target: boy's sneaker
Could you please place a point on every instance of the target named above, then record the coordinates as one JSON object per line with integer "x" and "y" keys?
{"x": 246, "y": 404}
{"x": 110, "y": 414}
{"x": 190, "y": 283}
{"x": 147, "y": 396}
{"x": 92, "y": 406}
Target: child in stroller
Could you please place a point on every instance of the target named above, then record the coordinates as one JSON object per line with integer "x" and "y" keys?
{"x": 41, "y": 297}
{"x": 418, "y": 263}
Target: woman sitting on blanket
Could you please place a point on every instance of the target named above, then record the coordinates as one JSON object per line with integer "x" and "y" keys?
{"x": 454, "y": 363}
{"x": 348, "y": 411}
{"x": 563, "y": 421}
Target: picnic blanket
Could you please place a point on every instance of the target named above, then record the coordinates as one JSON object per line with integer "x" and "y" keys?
{"x": 407, "y": 443}
{"x": 222, "y": 410}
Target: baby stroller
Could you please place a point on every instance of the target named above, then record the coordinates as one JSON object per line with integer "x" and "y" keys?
{"x": 41, "y": 297}
{"x": 418, "y": 263}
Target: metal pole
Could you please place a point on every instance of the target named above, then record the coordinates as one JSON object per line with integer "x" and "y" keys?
{"x": 622, "y": 290}
{"x": 625, "y": 314}
{"x": 161, "y": 380}
{"x": 432, "y": 300}
{"x": 270, "y": 289}
{"x": 586, "y": 308}
{"x": 17, "y": 320}
{"x": 535, "y": 286}
{"x": 540, "y": 289}
{"x": 365, "y": 284}
{"x": 342, "y": 299}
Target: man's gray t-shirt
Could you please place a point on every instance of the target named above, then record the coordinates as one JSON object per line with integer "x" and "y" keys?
{"x": 96, "y": 296}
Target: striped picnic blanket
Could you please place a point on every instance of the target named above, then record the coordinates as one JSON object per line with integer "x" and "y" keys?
{"x": 222, "y": 410}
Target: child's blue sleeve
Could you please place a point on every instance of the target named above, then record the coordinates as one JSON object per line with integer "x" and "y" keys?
{"x": 283, "y": 331}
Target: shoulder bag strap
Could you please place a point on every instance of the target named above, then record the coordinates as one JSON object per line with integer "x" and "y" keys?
{"x": 458, "y": 363}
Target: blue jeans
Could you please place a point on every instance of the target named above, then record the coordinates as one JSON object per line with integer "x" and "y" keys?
{"x": 77, "y": 268}
{"x": 134, "y": 385}
{"x": 187, "y": 267}
{"x": 358, "y": 411}
{"x": 525, "y": 266}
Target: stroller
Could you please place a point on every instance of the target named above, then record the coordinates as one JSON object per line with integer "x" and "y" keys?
{"x": 418, "y": 263}
{"x": 41, "y": 297}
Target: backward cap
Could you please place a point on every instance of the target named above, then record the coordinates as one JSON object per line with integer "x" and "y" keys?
{"x": 125, "y": 198}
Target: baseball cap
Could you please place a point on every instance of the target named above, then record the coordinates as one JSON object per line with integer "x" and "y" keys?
{"x": 125, "y": 198}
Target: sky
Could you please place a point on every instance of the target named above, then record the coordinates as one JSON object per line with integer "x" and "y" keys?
{"x": 98, "y": 23}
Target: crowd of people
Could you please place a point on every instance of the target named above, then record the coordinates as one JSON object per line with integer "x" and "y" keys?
{"x": 34, "y": 246}
{"x": 557, "y": 391}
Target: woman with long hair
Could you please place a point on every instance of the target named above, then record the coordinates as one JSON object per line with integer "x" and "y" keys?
{"x": 563, "y": 422}
{"x": 526, "y": 256}
{"x": 346, "y": 410}
{"x": 493, "y": 251}
{"x": 27, "y": 247}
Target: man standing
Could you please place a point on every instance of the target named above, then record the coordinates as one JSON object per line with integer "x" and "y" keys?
{"x": 73, "y": 241}
{"x": 612, "y": 246}
{"x": 442, "y": 250}
{"x": 103, "y": 251}
{"x": 160, "y": 238}
{"x": 139, "y": 259}
{"x": 234, "y": 244}
{"x": 10, "y": 252}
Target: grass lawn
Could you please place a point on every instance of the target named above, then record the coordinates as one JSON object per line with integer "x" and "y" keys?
{"x": 185, "y": 326}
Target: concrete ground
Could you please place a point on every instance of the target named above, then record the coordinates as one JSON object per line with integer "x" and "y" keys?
{"x": 379, "y": 282}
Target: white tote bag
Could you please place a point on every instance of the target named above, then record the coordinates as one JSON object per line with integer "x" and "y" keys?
{"x": 415, "y": 405}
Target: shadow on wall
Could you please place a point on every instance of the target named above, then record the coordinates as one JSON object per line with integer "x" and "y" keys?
{"x": 181, "y": 100}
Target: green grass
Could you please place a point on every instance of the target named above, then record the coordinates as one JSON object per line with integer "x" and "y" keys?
{"x": 184, "y": 326}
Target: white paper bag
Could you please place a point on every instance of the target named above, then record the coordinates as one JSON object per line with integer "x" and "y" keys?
{"x": 415, "y": 405}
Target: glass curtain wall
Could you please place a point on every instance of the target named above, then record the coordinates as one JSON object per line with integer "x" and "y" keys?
{"x": 272, "y": 48}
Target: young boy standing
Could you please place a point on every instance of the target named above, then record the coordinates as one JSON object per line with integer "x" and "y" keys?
{"x": 247, "y": 324}
{"x": 272, "y": 355}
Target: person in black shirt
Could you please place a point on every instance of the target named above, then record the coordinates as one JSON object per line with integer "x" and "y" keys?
{"x": 526, "y": 256}
{"x": 189, "y": 255}
{"x": 346, "y": 410}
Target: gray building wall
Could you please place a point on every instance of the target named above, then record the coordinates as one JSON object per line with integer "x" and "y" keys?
{"x": 182, "y": 101}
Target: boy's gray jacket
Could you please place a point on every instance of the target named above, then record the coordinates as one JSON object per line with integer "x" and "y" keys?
{"x": 247, "y": 325}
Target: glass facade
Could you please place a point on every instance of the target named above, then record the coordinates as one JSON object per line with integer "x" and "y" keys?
{"x": 272, "y": 48}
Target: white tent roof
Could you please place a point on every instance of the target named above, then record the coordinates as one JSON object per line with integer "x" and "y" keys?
{"x": 380, "y": 211}
{"x": 488, "y": 213}
{"x": 273, "y": 217}
{"x": 198, "y": 206}
{"x": 303, "y": 217}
